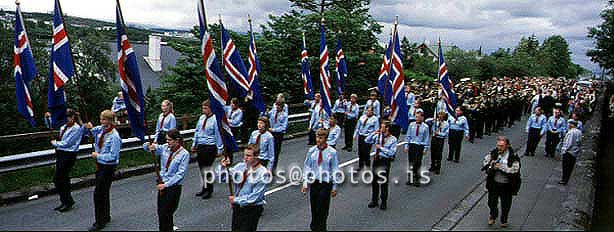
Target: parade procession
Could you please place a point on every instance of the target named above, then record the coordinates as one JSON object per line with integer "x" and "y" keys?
{"x": 401, "y": 127}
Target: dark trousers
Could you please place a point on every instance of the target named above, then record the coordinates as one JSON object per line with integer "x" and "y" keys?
{"x": 245, "y": 219}
{"x": 278, "y": 137}
{"x": 340, "y": 117}
{"x": 312, "y": 137}
{"x": 395, "y": 130}
{"x": 363, "y": 152}
{"x": 350, "y": 126}
{"x": 436, "y": 153}
{"x": 319, "y": 197}
{"x": 236, "y": 132}
{"x": 414, "y": 160}
{"x": 473, "y": 129}
{"x": 168, "y": 201}
{"x": 455, "y": 142}
{"x": 569, "y": 161}
{"x": 499, "y": 192}
{"x": 533, "y": 140}
{"x": 480, "y": 128}
{"x": 63, "y": 165}
{"x": 102, "y": 203}
{"x": 552, "y": 140}
{"x": 381, "y": 171}
{"x": 205, "y": 158}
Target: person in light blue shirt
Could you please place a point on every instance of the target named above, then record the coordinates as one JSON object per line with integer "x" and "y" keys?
{"x": 166, "y": 121}
{"x": 339, "y": 110}
{"x": 374, "y": 103}
{"x": 249, "y": 184}
{"x": 279, "y": 123}
{"x": 119, "y": 108}
{"x": 235, "y": 118}
{"x": 570, "y": 149}
{"x": 107, "y": 145}
{"x": 351, "y": 119}
{"x": 574, "y": 116}
{"x": 418, "y": 140}
{"x": 441, "y": 104}
{"x": 410, "y": 97}
{"x": 413, "y": 110}
{"x": 66, "y": 148}
{"x": 439, "y": 132}
{"x": 365, "y": 126}
{"x": 265, "y": 141}
{"x": 315, "y": 113}
{"x": 536, "y": 128}
{"x": 556, "y": 126}
{"x": 174, "y": 161}
{"x": 334, "y": 133}
{"x": 208, "y": 145}
{"x": 459, "y": 128}
{"x": 385, "y": 150}
{"x": 321, "y": 177}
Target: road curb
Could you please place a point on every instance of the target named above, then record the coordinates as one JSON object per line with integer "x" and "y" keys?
{"x": 36, "y": 192}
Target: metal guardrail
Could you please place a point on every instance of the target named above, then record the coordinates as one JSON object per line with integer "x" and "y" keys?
{"x": 35, "y": 159}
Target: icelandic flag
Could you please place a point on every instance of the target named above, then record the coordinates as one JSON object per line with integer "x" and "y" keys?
{"x": 130, "y": 78}
{"x": 305, "y": 73}
{"x": 24, "y": 69}
{"x": 398, "y": 103}
{"x": 341, "y": 68}
{"x": 234, "y": 64}
{"x": 324, "y": 73}
{"x": 384, "y": 85}
{"x": 61, "y": 69}
{"x": 446, "y": 84}
{"x": 218, "y": 93}
{"x": 254, "y": 70}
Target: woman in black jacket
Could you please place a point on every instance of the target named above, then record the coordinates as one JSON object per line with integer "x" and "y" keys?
{"x": 502, "y": 166}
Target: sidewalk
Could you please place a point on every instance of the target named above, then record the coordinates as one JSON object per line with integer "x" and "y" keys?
{"x": 537, "y": 205}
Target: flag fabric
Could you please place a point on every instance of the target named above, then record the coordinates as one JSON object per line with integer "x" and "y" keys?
{"x": 130, "y": 78}
{"x": 384, "y": 86}
{"x": 218, "y": 93}
{"x": 254, "y": 70}
{"x": 398, "y": 104}
{"x": 234, "y": 64}
{"x": 61, "y": 69}
{"x": 24, "y": 69}
{"x": 446, "y": 85}
{"x": 305, "y": 73}
{"x": 341, "y": 68}
{"x": 324, "y": 73}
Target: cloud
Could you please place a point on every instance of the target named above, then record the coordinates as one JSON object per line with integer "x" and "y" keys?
{"x": 468, "y": 24}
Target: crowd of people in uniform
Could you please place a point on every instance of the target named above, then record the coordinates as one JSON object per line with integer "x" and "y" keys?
{"x": 482, "y": 108}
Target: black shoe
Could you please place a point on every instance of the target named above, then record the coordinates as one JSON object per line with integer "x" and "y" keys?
{"x": 437, "y": 172}
{"x": 59, "y": 207}
{"x": 372, "y": 204}
{"x": 344, "y": 148}
{"x": 408, "y": 182}
{"x": 201, "y": 193}
{"x": 349, "y": 149}
{"x": 417, "y": 183}
{"x": 66, "y": 208}
{"x": 456, "y": 161}
{"x": 96, "y": 227}
{"x": 207, "y": 195}
{"x": 449, "y": 159}
{"x": 383, "y": 206}
{"x": 431, "y": 169}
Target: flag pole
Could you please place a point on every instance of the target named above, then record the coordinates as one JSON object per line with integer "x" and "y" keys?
{"x": 153, "y": 153}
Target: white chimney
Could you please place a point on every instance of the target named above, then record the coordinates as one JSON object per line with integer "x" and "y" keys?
{"x": 153, "y": 58}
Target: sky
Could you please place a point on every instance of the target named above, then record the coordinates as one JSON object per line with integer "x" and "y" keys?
{"x": 468, "y": 24}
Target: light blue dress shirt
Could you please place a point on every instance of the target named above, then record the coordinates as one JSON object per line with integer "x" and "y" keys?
{"x": 422, "y": 138}
{"x": 388, "y": 150}
{"x": 111, "y": 145}
{"x": 169, "y": 123}
{"x": 459, "y": 123}
{"x": 281, "y": 125}
{"x": 339, "y": 106}
{"x": 376, "y": 107}
{"x": 254, "y": 187}
{"x": 366, "y": 125}
{"x": 210, "y": 135}
{"x": 174, "y": 174}
{"x": 441, "y": 129}
{"x": 266, "y": 144}
{"x": 352, "y": 110}
{"x": 555, "y": 125}
{"x": 333, "y": 135}
{"x": 71, "y": 139}
{"x": 235, "y": 118}
{"x": 328, "y": 170}
{"x": 537, "y": 122}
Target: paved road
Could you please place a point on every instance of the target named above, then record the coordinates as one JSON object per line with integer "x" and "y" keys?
{"x": 134, "y": 206}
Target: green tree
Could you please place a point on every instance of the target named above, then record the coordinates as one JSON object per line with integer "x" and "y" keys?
{"x": 555, "y": 58}
{"x": 603, "y": 34}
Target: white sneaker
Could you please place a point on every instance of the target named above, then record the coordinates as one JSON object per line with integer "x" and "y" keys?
{"x": 175, "y": 228}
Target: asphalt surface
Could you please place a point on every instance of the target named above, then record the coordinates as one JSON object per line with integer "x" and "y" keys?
{"x": 133, "y": 200}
